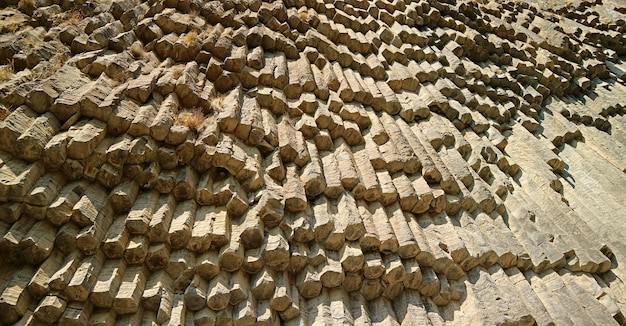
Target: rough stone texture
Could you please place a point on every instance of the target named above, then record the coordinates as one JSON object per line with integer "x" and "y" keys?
{"x": 312, "y": 162}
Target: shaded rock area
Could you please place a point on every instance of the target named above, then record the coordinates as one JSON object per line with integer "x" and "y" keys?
{"x": 312, "y": 162}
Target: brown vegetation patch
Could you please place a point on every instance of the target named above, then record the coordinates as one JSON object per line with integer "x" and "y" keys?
{"x": 190, "y": 37}
{"x": 7, "y": 71}
{"x": 205, "y": 33}
{"x": 4, "y": 112}
{"x": 192, "y": 118}
{"x": 137, "y": 51}
{"x": 217, "y": 103}
{"x": 177, "y": 73}
{"x": 73, "y": 17}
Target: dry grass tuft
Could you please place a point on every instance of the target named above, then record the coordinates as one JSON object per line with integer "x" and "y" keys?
{"x": 190, "y": 37}
{"x": 59, "y": 61}
{"x": 137, "y": 51}
{"x": 11, "y": 28}
{"x": 177, "y": 73}
{"x": 192, "y": 118}
{"x": 7, "y": 71}
{"x": 4, "y": 112}
{"x": 73, "y": 17}
{"x": 217, "y": 103}
{"x": 303, "y": 15}
{"x": 206, "y": 33}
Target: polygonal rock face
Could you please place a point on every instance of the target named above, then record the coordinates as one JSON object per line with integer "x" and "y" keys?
{"x": 307, "y": 162}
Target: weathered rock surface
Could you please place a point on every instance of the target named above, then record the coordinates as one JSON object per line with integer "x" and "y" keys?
{"x": 312, "y": 162}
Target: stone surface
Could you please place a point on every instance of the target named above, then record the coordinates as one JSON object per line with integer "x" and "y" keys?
{"x": 312, "y": 162}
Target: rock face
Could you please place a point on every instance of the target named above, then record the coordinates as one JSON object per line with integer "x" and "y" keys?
{"x": 312, "y": 162}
